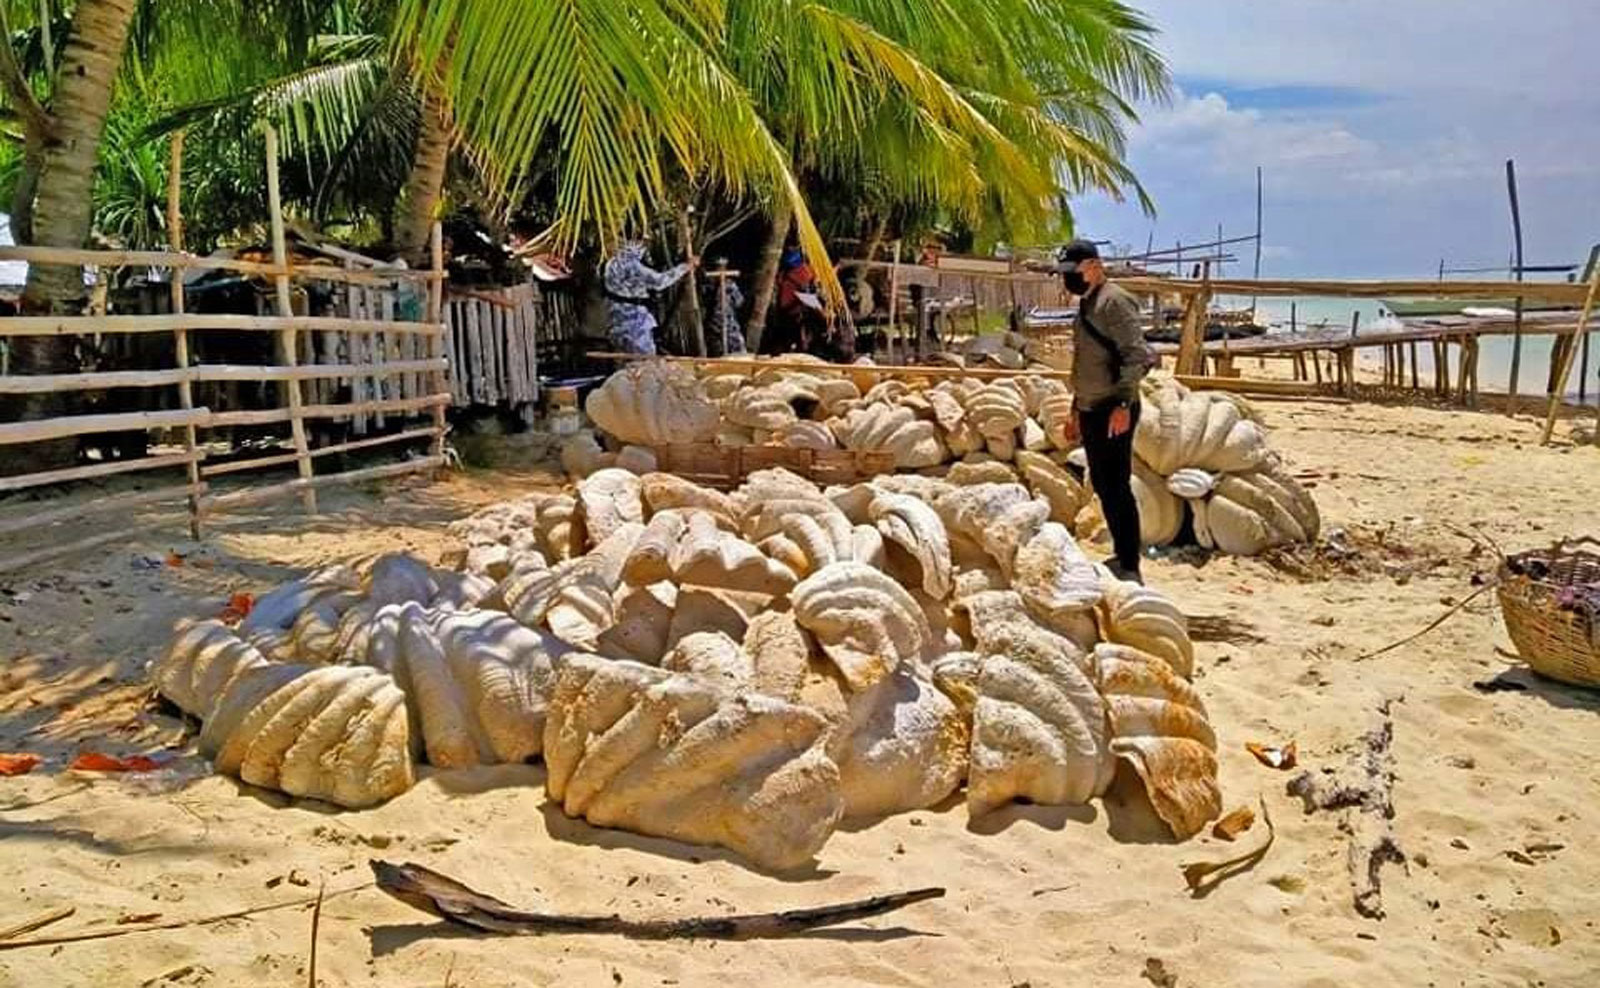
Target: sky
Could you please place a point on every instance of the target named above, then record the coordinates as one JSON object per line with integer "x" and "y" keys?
{"x": 1382, "y": 127}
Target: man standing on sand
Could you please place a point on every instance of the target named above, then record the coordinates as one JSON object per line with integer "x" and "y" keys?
{"x": 1110, "y": 358}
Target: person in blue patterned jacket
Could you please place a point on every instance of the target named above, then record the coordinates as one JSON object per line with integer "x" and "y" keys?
{"x": 628, "y": 284}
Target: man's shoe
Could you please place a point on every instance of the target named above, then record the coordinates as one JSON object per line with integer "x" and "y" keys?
{"x": 1123, "y": 574}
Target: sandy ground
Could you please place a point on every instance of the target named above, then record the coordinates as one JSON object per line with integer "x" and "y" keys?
{"x": 1495, "y": 804}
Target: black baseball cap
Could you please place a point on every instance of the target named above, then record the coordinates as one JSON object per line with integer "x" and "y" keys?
{"x": 1069, "y": 257}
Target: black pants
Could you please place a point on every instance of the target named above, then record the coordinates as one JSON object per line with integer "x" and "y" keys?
{"x": 1111, "y": 472}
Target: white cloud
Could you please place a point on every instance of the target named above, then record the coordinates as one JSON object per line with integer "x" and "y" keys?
{"x": 1409, "y": 168}
{"x": 1207, "y": 131}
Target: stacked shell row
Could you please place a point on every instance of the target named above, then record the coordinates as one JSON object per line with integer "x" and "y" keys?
{"x": 1203, "y": 457}
{"x": 742, "y": 670}
{"x": 1203, "y": 465}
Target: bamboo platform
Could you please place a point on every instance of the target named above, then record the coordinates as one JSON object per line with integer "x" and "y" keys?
{"x": 1327, "y": 357}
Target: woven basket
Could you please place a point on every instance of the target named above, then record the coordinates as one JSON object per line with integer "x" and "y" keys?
{"x": 1560, "y": 642}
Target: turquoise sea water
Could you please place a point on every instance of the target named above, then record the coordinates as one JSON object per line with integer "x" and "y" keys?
{"x": 1494, "y": 368}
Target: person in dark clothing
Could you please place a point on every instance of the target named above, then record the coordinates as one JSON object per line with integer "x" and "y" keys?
{"x": 1110, "y": 358}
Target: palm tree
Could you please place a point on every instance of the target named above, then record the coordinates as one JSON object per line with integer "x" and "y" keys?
{"x": 993, "y": 109}
{"x": 992, "y": 113}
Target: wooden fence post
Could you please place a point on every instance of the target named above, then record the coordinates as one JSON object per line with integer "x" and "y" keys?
{"x": 435, "y": 316}
{"x": 280, "y": 260}
{"x": 180, "y": 337}
{"x": 1565, "y": 367}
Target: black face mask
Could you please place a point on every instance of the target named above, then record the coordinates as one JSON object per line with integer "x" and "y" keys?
{"x": 1076, "y": 283}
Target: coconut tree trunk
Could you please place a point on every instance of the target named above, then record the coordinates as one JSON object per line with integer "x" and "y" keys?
{"x": 419, "y": 203}
{"x": 63, "y": 207}
{"x": 765, "y": 285}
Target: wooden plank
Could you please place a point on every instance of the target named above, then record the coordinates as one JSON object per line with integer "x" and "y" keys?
{"x": 1562, "y": 292}
{"x": 475, "y": 348}
{"x": 1245, "y": 385}
{"x": 91, "y": 325}
{"x": 131, "y": 259}
{"x": 437, "y": 380}
{"x": 95, "y": 381}
{"x": 258, "y": 463}
{"x": 268, "y": 416}
{"x": 280, "y": 257}
{"x": 101, "y": 380}
{"x": 261, "y": 463}
{"x": 1558, "y": 393}
{"x": 350, "y": 276}
{"x": 393, "y": 387}
{"x": 87, "y": 509}
{"x": 257, "y": 495}
{"x": 180, "y": 338}
{"x": 37, "y": 430}
{"x": 67, "y": 474}
{"x": 530, "y": 340}
{"x": 492, "y": 364}
{"x": 450, "y": 354}
{"x": 953, "y": 264}
{"x": 240, "y": 372}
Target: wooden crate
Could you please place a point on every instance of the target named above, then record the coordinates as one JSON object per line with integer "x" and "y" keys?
{"x": 726, "y": 467}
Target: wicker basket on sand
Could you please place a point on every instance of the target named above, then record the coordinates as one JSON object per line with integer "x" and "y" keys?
{"x": 1551, "y": 602}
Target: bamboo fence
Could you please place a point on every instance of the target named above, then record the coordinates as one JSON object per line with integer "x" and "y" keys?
{"x": 395, "y": 366}
{"x": 492, "y": 339}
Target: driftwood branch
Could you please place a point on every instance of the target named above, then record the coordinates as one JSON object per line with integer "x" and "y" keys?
{"x": 1366, "y": 789}
{"x": 454, "y": 902}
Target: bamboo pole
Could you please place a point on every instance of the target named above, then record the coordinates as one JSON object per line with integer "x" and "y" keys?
{"x": 1555, "y": 292}
{"x": 1583, "y": 373}
{"x": 1415, "y": 383}
{"x": 893, "y": 329}
{"x": 131, "y": 258}
{"x": 280, "y": 257}
{"x": 268, "y": 416}
{"x": 99, "y": 380}
{"x": 1516, "y": 341}
{"x": 1565, "y": 369}
{"x": 38, "y": 430}
{"x": 1244, "y": 385}
{"x": 180, "y": 337}
{"x": 261, "y": 463}
{"x": 92, "y": 325}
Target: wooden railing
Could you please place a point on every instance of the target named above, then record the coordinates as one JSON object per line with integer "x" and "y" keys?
{"x": 423, "y": 371}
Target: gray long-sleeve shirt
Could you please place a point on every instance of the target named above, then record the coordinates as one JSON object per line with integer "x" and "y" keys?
{"x": 1096, "y": 377}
